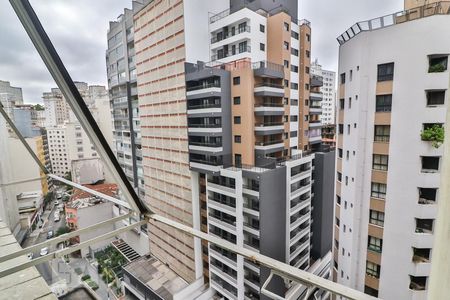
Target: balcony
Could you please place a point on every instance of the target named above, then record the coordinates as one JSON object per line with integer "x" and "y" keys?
{"x": 204, "y": 108}
{"x": 315, "y": 110}
{"x": 206, "y": 147}
{"x": 316, "y": 96}
{"x": 203, "y": 90}
{"x": 269, "y": 109}
{"x": 316, "y": 81}
{"x": 222, "y": 36}
{"x": 269, "y": 128}
{"x": 230, "y": 53}
{"x": 268, "y": 89}
{"x": 268, "y": 69}
{"x": 315, "y": 124}
{"x": 206, "y": 128}
{"x": 266, "y": 147}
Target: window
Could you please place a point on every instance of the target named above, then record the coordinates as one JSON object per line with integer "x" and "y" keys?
{"x": 238, "y": 160}
{"x": 237, "y": 120}
{"x": 370, "y": 291}
{"x": 286, "y": 26}
{"x": 340, "y": 152}
{"x": 294, "y": 118}
{"x": 376, "y": 218}
{"x": 308, "y": 53}
{"x": 339, "y": 176}
{"x": 380, "y": 162}
{"x": 350, "y": 102}
{"x": 237, "y": 139}
{"x": 348, "y": 128}
{"x": 338, "y": 199}
{"x": 262, "y": 28}
{"x": 262, "y": 47}
{"x": 286, "y": 45}
{"x": 435, "y": 98}
{"x": 386, "y": 72}
{"x": 417, "y": 283}
{"x": 430, "y": 164}
{"x": 341, "y": 103}
{"x": 341, "y": 129}
{"x": 427, "y": 195}
{"x": 293, "y": 134}
{"x": 437, "y": 63}
{"x": 308, "y": 37}
{"x": 243, "y": 47}
{"x": 294, "y": 34}
{"x": 373, "y": 269}
{"x": 286, "y": 63}
{"x": 378, "y": 190}
{"x": 236, "y": 80}
{"x": 307, "y": 70}
{"x": 382, "y": 133}
{"x": 343, "y": 78}
{"x": 338, "y": 222}
{"x": 351, "y": 75}
{"x": 237, "y": 100}
{"x": 294, "y": 51}
{"x": 294, "y": 68}
{"x": 294, "y": 86}
{"x": 306, "y": 86}
{"x": 383, "y": 103}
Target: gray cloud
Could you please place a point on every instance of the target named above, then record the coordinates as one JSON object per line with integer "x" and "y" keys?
{"x": 78, "y": 30}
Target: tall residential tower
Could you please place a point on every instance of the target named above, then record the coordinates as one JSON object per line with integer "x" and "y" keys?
{"x": 393, "y": 99}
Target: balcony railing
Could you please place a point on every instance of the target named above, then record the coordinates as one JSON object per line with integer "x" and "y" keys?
{"x": 205, "y": 125}
{"x": 438, "y": 8}
{"x": 267, "y": 65}
{"x": 206, "y": 144}
{"x": 269, "y": 104}
{"x": 269, "y": 84}
{"x": 202, "y": 86}
{"x": 219, "y": 16}
{"x": 206, "y": 105}
{"x": 269, "y": 124}
{"x": 268, "y": 143}
{"x": 224, "y": 36}
{"x": 231, "y": 53}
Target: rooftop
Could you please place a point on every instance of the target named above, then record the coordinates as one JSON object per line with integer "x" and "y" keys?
{"x": 23, "y": 284}
{"x": 109, "y": 189}
{"x": 156, "y": 276}
{"x": 437, "y": 8}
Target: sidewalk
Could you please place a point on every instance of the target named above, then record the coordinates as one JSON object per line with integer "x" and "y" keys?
{"x": 84, "y": 265}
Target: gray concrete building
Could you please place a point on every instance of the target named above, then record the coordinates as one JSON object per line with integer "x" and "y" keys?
{"x": 10, "y": 96}
{"x": 121, "y": 71}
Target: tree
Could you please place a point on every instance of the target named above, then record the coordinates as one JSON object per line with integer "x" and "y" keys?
{"x": 38, "y": 107}
{"x": 434, "y": 134}
{"x": 62, "y": 230}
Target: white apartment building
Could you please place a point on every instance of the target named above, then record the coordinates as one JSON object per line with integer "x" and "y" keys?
{"x": 66, "y": 143}
{"x": 10, "y": 96}
{"x": 328, "y": 91}
{"x": 394, "y": 85}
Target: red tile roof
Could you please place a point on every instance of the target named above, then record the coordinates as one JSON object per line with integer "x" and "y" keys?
{"x": 109, "y": 189}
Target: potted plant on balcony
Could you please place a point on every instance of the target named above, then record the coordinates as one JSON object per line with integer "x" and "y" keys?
{"x": 434, "y": 134}
{"x": 437, "y": 68}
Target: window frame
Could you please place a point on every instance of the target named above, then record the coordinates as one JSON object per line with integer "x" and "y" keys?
{"x": 378, "y": 191}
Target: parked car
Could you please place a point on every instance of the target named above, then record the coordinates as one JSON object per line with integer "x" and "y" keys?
{"x": 50, "y": 234}
{"x": 44, "y": 251}
{"x": 56, "y": 219}
{"x": 56, "y": 202}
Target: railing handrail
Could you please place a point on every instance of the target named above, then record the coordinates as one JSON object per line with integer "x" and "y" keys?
{"x": 229, "y": 34}
{"x": 203, "y": 105}
{"x": 205, "y": 125}
{"x": 206, "y": 144}
{"x": 264, "y": 64}
{"x": 202, "y": 86}
{"x": 269, "y": 84}
{"x": 266, "y": 124}
{"x": 268, "y": 143}
{"x": 219, "y": 16}
{"x": 267, "y": 104}
{"x": 230, "y": 53}
{"x": 392, "y": 19}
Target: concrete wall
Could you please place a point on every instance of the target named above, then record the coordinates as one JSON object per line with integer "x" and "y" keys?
{"x": 272, "y": 208}
{"x": 322, "y": 227}
{"x": 272, "y": 6}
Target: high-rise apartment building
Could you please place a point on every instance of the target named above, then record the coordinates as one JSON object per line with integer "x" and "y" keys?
{"x": 25, "y": 119}
{"x": 328, "y": 91}
{"x": 10, "y": 96}
{"x": 226, "y": 143}
{"x": 393, "y": 102}
{"x": 121, "y": 69}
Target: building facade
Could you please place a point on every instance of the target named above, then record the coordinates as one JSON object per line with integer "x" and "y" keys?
{"x": 393, "y": 93}
{"x": 328, "y": 91}
{"x": 121, "y": 70}
{"x": 10, "y": 96}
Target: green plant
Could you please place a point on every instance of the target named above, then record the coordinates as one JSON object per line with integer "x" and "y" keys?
{"x": 92, "y": 284}
{"x": 62, "y": 230}
{"x": 78, "y": 271}
{"x": 437, "y": 68}
{"x": 434, "y": 134}
{"x": 85, "y": 277}
{"x": 48, "y": 197}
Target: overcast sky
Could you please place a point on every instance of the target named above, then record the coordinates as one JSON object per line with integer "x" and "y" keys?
{"x": 78, "y": 31}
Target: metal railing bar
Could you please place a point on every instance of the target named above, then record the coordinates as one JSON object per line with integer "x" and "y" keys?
{"x": 91, "y": 191}
{"x": 60, "y": 253}
{"x": 62, "y": 238}
{"x": 282, "y": 269}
